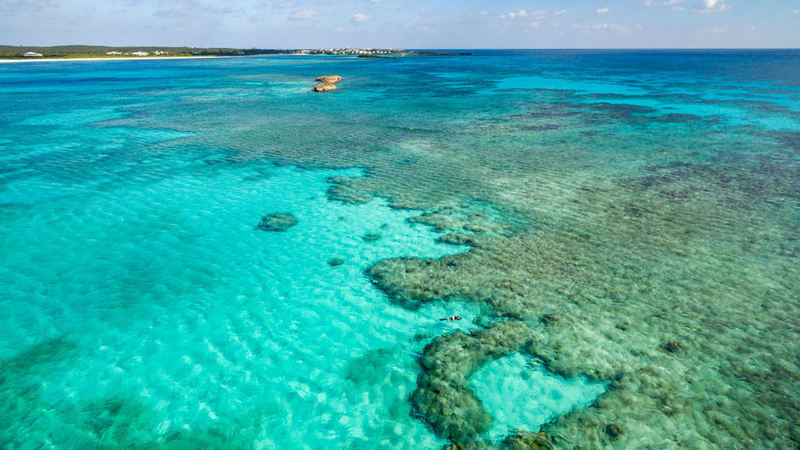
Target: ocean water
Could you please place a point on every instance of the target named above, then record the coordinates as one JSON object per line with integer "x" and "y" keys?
{"x": 618, "y": 229}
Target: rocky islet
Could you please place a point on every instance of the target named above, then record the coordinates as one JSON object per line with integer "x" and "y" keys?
{"x": 327, "y": 83}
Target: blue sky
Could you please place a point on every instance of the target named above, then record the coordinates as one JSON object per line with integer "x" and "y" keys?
{"x": 404, "y": 23}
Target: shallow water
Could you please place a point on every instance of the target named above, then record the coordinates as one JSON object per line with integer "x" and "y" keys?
{"x": 630, "y": 198}
{"x": 523, "y": 395}
{"x": 142, "y": 292}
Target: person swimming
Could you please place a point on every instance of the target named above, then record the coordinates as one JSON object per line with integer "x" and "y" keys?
{"x": 451, "y": 318}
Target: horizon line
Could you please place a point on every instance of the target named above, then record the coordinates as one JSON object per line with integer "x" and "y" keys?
{"x": 409, "y": 48}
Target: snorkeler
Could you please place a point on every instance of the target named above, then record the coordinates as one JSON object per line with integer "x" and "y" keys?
{"x": 451, "y": 318}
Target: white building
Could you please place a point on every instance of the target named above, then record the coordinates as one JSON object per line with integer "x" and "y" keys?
{"x": 32, "y": 55}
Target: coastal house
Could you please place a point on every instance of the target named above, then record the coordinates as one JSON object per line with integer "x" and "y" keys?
{"x": 113, "y": 53}
{"x": 32, "y": 55}
{"x": 140, "y": 53}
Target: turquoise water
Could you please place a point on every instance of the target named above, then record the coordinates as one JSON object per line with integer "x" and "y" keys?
{"x": 163, "y": 293}
{"x": 140, "y": 295}
{"x": 610, "y": 203}
{"x": 522, "y": 394}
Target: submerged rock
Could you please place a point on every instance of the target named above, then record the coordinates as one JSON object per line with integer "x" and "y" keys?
{"x": 458, "y": 239}
{"x": 277, "y": 222}
{"x": 371, "y": 237}
{"x": 523, "y": 440}
{"x": 548, "y": 319}
{"x": 613, "y": 430}
{"x": 335, "y": 262}
{"x": 673, "y": 347}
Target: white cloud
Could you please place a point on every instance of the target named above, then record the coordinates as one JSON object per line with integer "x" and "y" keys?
{"x": 615, "y": 27}
{"x": 608, "y": 26}
{"x": 303, "y": 14}
{"x": 515, "y": 14}
{"x": 359, "y": 18}
{"x": 539, "y": 14}
{"x": 558, "y": 13}
{"x": 796, "y": 11}
{"x": 714, "y": 6}
{"x": 663, "y": 3}
{"x": 676, "y": 4}
{"x": 535, "y": 24}
{"x": 602, "y": 10}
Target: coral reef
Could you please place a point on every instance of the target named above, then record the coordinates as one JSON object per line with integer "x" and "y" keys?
{"x": 277, "y": 222}
{"x": 443, "y": 398}
{"x": 634, "y": 227}
{"x": 341, "y": 189}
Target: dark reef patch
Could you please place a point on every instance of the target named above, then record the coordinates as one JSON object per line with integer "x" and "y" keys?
{"x": 613, "y": 430}
{"x": 543, "y": 127}
{"x": 371, "y": 237}
{"x": 342, "y": 190}
{"x": 277, "y": 222}
{"x": 524, "y": 440}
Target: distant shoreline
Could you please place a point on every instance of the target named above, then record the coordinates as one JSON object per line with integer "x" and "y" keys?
{"x": 15, "y": 54}
{"x": 112, "y": 58}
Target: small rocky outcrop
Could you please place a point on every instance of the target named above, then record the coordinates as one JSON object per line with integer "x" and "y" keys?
{"x": 333, "y": 262}
{"x": 324, "y": 87}
{"x": 330, "y": 79}
{"x": 277, "y": 222}
{"x": 327, "y": 83}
